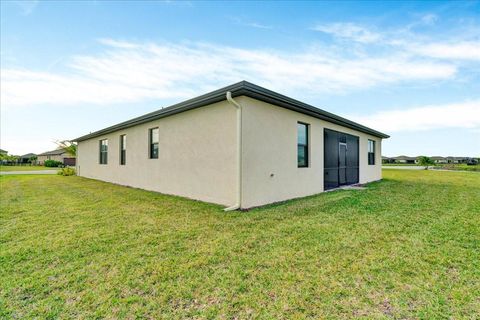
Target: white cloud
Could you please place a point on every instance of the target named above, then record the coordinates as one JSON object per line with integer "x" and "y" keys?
{"x": 26, "y": 6}
{"x": 464, "y": 50}
{"x": 429, "y": 19}
{"x": 129, "y": 72}
{"x": 258, "y": 25}
{"x": 408, "y": 42}
{"x": 349, "y": 31}
{"x": 456, "y": 115}
{"x": 248, "y": 23}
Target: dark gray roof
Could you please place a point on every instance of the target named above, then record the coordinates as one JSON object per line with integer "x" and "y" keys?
{"x": 404, "y": 158}
{"x": 242, "y": 88}
{"x": 3, "y": 151}
{"x": 28, "y": 155}
{"x": 53, "y": 152}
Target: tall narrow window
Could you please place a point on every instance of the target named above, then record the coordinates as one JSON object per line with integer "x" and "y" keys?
{"x": 103, "y": 151}
{"x": 302, "y": 145}
{"x": 371, "y": 152}
{"x": 123, "y": 149}
{"x": 153, "y": 140}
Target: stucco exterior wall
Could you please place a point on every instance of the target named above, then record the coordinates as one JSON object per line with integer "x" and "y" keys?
{"x": 58, "y": 157}
{"x": 197, "y": 155}
{"x": 269, "y": 160}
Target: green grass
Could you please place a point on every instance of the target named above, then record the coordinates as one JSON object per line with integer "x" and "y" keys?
{"x": 25, "y": 168}
{"x": 460, "y": 167}
{"x": 406, "y": 248}
{"x": 446, "y": 166}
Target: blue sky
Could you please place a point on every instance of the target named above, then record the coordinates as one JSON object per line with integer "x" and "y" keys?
{"x": 410, "y": 69}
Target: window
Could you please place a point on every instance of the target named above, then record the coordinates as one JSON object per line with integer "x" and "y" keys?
{"x": 103, "y": 151}
{"x": 371, "y": 152}
{"x": 123, "y": 149}
{"x": 302, "y": 145}
{"x": 153, "y": 139}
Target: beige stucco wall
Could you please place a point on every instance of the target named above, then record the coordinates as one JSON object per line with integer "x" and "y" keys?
{"x": 197, "y": 155}
{"x": 270, "y": 147}
{"x": 59, "y": 157}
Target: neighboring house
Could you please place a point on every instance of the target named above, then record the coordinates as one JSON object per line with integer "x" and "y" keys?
{"x": 387, "y": 160}
{"x": 5, "y": 152}
{"x": 405, "y": 159}
{"x": 239, "y": 146}
{"x": 25, "y": 158}
{"x": 472, "y": 161}
{"x": 57, "y": 155}
{"x": 439, "y": 159}
{"x": 457, "y": 159}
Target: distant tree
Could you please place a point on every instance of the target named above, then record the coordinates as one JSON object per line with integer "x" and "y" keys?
{"x": 425, "y": 161}
{"x": 32, "y": 160}
{"x": 8, "y": 158}
{"x": 69, "y": 146}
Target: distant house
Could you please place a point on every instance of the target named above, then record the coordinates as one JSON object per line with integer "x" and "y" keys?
{"x": 58, "y": 155}
{"x": 405, "y": 159}
{"x": 25, "y": 158}
{"x": 457, "y": 159}
{"x": 387, "y": 160}
{"x": 472, "y": 161}
{"x": 438, "y": 159}
{"x": 3, "y": 151}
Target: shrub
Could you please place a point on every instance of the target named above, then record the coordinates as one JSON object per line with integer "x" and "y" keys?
{"x": 52, "y": 163}
{"x": 67, "y": 172}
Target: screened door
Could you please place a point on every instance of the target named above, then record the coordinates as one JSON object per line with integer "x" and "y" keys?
{"x": 340, "y": 159}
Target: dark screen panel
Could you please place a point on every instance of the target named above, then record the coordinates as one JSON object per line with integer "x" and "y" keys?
{"x": 352, "y": 175}
{"x": 352, "y": 159}
{"x": 330, "y": 178}
{"x": 341, "y": 159}
{"x": 330, "y": 149}
{"x": 352, "y": 154}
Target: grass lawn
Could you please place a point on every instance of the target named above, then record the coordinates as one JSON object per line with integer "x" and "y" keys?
{"x": 406, "y": 248}
{"x": 399, "y": 164}
{"x": 25, "y": 168}
{"x": 460, "y": 166}
{"x": 446, "y": 166}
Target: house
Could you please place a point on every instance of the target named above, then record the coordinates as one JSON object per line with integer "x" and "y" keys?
{"x": 387, "y": 160}
{"x": 4, "y": 152}
{"x": 58, "y": 155}
{"x": 439, "y": 159}
{"x": 405, "y": 159}
{"x": 472, "y": 161}
{"x": 240, "y": 146}
{"x": 25, "y": 158}
{"x": 457, "y": 159}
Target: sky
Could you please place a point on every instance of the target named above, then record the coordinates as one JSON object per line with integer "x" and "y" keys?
{"x": 408, "y": 69}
